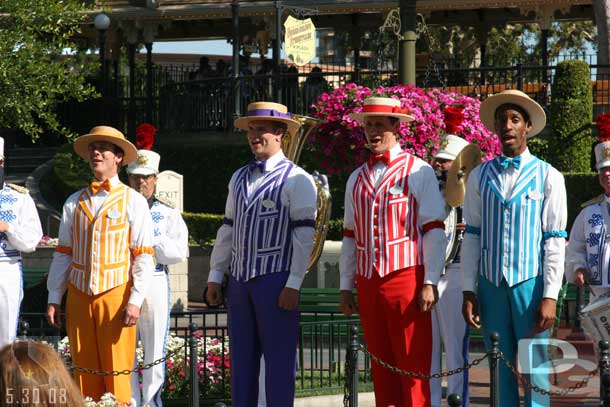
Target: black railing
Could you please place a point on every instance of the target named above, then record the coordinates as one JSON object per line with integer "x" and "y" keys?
{"x": 209, "y": 105}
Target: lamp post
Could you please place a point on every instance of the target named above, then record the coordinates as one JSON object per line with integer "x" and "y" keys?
{"x": 101, "y": 22}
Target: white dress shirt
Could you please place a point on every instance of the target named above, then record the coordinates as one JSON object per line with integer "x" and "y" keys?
{"x": 140, "y": 223}
{"x": 423, "y": 185}
{"x": 299, "y": 194}
{"x": 554, "y": 217}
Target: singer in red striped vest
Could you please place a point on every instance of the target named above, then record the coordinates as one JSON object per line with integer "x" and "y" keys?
{"x": 394, "y": 250}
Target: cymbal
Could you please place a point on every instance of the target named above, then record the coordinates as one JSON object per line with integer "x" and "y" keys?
{"x": 457, "y": 177}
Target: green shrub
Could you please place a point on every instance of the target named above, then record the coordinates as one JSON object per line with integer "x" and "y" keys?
{"x": 202, "y": 226}
{"x": 571, "y": 111}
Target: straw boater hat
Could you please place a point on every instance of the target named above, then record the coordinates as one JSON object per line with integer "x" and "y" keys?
{"x": 268, "y": 111}
{"x": 515, "y": 97}
{"x": 378, "y": 106}
{"x": 109, "y": 134}
{"x": 147, "y": 163}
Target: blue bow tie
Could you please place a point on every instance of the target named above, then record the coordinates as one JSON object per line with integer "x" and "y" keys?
{"x": 254, "y": 164}
{"x": 505, "y": 162}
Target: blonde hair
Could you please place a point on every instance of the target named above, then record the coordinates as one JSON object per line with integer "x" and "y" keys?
{"x": 34, "y": 375}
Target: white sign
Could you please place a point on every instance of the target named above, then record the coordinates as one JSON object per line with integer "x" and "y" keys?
{"x": 300, "y": 40}
{"x": 170, "y": 188}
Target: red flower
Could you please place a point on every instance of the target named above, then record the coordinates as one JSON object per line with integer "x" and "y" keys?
{"x": 145, "y": 136}
{"x": 454, "y": 116}
{"x": 603, "y": 127}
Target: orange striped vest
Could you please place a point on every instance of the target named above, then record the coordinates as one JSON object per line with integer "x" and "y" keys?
{"x": 101, "y": 258}
{"x": 385, "y": 218}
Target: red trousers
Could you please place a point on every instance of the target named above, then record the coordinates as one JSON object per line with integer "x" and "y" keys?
{"x": 398, "y": 333}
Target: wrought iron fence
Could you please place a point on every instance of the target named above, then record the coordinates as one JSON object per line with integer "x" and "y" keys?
{"x": 211, "y": 104}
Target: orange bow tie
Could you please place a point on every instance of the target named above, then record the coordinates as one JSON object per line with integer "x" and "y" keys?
{"x": 98, "y": 186}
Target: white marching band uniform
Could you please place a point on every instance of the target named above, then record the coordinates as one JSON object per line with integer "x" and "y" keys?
{"x": 17, "y": 208}
{"x": 449, "y": 330}
{"x": 589, "y": 244}
{"x": 171, "y": 247}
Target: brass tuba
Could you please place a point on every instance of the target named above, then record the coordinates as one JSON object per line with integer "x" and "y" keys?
{"x": 292, "y": 145}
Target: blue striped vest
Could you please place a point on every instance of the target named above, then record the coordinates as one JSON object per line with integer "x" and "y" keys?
{"x": 262, "y": 242}
{"x": 511, "y": 230}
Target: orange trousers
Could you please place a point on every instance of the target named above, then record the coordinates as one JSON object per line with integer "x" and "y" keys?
{"x": 397, "y": 332}
{"x": 100, "y": 341}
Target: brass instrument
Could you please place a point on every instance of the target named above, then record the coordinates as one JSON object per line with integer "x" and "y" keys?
{"x": 292, "y": 145}
{"x": 457, "y": 177}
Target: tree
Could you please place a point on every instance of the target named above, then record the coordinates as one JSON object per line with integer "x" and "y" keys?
{"x": 36, "y": 69}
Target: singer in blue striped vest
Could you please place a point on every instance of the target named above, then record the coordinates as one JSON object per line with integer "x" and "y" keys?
{"x": 513, "y": 251}
{"x": 265, "y": 241}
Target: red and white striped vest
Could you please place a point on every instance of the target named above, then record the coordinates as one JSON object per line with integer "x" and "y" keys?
{"x": 385, "y": 219}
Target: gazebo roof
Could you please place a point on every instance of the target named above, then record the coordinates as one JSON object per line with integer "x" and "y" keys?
{"x": 203, "y": 19}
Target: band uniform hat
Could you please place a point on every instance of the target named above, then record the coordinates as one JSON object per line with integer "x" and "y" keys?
{"x": 602, "y": 149}
{"x": 450, "y": 147}
{"x": 515, "y": 97}
{"x": 267, "y": 111}
{"x": 108, "y": 134}
{"x": 147, "y": 163}
{"x": 380, "y": 106}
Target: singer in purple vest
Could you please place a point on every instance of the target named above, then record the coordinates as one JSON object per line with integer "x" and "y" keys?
{"x": 265, "y": 243}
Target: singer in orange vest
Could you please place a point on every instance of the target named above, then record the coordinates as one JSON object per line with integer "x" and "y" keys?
{"x": 104, "y": 260}
{"x": 394, "y": 249}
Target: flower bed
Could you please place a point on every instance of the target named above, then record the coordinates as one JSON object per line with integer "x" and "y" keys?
{"x": 339, "y": 142}
{"x": 213, "y": 368}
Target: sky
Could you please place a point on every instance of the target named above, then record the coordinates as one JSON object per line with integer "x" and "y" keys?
{"x": 210, "y": 47}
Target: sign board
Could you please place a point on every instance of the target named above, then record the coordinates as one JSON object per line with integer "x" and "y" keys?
{"x": 170, "y": 188}
{"x": 300, "y": 40}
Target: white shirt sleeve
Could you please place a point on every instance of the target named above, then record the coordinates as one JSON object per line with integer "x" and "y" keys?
{"x": 470, "y": 254}
{"x": 347, "y": 261}
{"x": 26, "y": 232}
{"x": 58, "y": 271}
{"x": 173, "y": 245}
{"x": 143, "y": 266}
{"x": 576, "y": 250}
{"x": 430, "y": 208}
{"x": 554, "y": 220}
{"x": 300, "y": 194}
{"x": 220, "y": 259}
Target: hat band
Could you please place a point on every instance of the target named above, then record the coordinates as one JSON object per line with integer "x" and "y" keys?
{"x": 268, "y": 112}
{"x": 384, "y": 109}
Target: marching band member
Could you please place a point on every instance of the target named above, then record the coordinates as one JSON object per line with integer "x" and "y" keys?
{"x": 587, "y": 254}
{"x": 266, "y": 240}
{"x": 513, "y": 250}
{"x": 105, "y": 260}
{"x": 449, "y": 331}
{"x": 20, "y": 232}
{"x": 171, "y": 247}
{"x": 394, "y": 246}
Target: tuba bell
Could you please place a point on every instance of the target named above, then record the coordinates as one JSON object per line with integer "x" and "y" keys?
{"x": 292, "y": 145}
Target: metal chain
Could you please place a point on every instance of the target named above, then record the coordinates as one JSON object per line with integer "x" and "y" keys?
{"x": 346, "y": 383}
{"x": 126, "y": 371}
{"x": 527, "y": 385}
{"x": 443, "y": 373}
{"x": 432, "y": 66}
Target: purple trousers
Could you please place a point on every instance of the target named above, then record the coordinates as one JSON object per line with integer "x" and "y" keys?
{"x": 258, "y": 326}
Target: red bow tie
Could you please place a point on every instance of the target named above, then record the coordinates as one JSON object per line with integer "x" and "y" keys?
{"x": 98, "y": 186}
{"x": 384, "y": 158}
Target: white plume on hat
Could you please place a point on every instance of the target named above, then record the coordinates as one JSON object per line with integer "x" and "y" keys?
{"x": 146, "y": 163}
